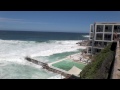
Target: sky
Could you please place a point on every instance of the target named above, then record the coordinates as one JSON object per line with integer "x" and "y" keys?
{"x": 55, "y": 21}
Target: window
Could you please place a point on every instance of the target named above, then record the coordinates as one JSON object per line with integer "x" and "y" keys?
{"x": 107, "y": 37}
{"x": 99, "y": 28}
{"x": 117, "y": 28}
{"x": 99, "y": 36}
{"x": 108, "y": 28}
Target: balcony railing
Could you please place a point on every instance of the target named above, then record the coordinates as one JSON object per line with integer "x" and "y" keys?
{"x": 118, "y": 31}
{"x": 108, "y": 30}
{"x": 99, "y": 38}
{"x": 100, "y": 45}
{"x": 107, "y": 38}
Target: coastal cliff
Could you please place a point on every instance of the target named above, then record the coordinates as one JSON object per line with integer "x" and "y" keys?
{"x": 99, "y": 68}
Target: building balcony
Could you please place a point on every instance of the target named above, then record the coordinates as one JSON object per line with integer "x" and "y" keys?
{"x": 118, "y": 30}
{"x": 99, "y": 46}
{"x": 102, "y": 45}
{"x": 108, "y": 31}
{"x": 99, "y": 38}
{"x": 107, "y": 39}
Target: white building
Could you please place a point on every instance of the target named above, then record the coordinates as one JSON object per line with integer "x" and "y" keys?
{"x": 100, "y": 35}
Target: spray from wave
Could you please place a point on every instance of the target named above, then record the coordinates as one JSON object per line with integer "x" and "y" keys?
{"x": 15, "y": 50}
{"x": 87, "y": 36}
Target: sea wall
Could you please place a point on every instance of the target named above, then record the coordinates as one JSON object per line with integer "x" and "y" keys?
{"x": 47, "y": 67}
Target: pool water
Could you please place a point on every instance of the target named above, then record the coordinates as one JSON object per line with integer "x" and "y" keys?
{"x": 67, "y": 64}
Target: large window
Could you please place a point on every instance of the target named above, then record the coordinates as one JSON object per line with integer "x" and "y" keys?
{"x": 99, "y": 28}
{"x": 105, "y": 44}
{"x": 107, "y": 37}
{"x": 108, "y": 28}
{"x": 98, "y": 50}
{"x": 98, "y": 44}
{"x": 95, "y": 51}
{"x": 117, "y": 28}
{"x": 99, "y": 36}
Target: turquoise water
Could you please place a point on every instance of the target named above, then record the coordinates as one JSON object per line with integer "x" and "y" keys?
{"x": 68, "y": 64}
{"x": 17, "y": 71}
{"x": 49, "y": 46}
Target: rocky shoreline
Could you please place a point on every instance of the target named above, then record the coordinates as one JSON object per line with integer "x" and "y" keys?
{"x": 81, "y": 57}
{"x": 83, "y": 43}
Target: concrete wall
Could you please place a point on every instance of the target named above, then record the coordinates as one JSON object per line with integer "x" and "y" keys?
{"x": 116, "y": 66}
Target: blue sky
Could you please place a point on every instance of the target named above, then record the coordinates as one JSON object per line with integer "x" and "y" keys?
{"x": 58, "y": 21}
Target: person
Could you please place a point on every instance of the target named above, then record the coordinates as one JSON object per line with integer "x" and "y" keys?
{"x": 115, "y": 36}
{"x": 80, "y": 58}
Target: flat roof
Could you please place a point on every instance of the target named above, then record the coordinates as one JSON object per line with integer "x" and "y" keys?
{"x": 107, "y": 22}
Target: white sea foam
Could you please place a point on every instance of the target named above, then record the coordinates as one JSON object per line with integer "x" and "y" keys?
{"x": 86, "y": 36}
{"x": 57, "y": 77}
{"x": 15, "y": 50}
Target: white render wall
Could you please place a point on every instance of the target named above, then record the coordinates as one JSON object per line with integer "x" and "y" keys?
{"x": 103, "y": 40}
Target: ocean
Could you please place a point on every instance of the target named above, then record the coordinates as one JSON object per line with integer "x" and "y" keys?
{"x": 44, "y": 46}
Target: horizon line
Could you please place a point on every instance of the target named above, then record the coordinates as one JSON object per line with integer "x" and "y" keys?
{"x": 44, "y": 31}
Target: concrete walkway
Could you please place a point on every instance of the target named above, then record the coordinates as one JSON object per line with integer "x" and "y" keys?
{"x": 116, "y": 67}
{"x": 50, "y": 64}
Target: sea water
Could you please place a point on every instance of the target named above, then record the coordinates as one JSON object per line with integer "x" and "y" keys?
{"x": 44, "y": 46}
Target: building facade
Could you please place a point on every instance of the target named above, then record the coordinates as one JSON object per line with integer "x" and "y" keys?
{"x": 101, "y": 34}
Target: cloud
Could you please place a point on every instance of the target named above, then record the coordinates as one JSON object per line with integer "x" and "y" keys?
{"x": 33, "y": 22}
{"x": 9, "y": 20}
{"x": 19, "y": 21}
